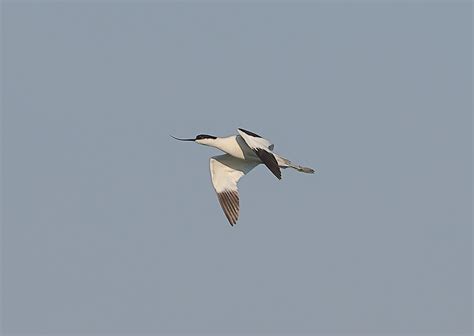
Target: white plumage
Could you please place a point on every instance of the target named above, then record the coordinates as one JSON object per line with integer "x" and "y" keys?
{"x": 244, "y": 151}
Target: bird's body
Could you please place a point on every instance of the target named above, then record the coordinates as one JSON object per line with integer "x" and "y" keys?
{"x": 244, "y": 152}
{"x": 235, "y": 146}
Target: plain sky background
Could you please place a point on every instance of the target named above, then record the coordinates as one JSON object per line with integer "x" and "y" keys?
{"x": 110, "y": 226}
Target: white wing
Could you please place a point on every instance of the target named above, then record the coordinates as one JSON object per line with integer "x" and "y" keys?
{"x": 255, "y": 140}
{"x": 226, "y": 171}
{"x": 263, "y": 148}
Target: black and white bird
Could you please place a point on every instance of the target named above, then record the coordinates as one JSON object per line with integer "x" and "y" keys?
{"x": 244, "y": 152}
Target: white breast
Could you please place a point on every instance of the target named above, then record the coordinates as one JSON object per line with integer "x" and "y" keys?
{"x": 237, "y": 147}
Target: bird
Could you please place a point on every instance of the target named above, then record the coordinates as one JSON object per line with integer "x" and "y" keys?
{"x": 244, "y": 151}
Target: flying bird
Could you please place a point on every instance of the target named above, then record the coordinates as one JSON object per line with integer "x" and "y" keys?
{"x": 244, "y": 152}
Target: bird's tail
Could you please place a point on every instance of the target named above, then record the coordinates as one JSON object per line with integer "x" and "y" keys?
{"x": 285, "y": 163}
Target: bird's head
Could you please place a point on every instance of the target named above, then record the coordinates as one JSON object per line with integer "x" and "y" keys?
{"x": 202, "y": 139}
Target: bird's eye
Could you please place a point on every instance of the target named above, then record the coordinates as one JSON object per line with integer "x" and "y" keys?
{"x": 205, "y": 136}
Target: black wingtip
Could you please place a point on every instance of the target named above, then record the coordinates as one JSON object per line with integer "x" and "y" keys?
{"x": 269, "y": 160}
{"x": 229, "y": 201}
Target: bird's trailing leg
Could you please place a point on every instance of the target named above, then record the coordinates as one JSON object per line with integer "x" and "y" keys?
{"x": 285, "y": 163}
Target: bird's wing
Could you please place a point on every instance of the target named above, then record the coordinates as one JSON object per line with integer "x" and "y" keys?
{"x": 255, "y": 139}
{"x": 263, "y": 148}
{"x": 226, "y": 171}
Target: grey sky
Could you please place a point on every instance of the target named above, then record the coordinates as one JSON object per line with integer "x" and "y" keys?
{"x": 111, "y": 226}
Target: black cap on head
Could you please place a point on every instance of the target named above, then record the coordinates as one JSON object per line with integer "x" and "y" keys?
{"x": 205, "y": 136}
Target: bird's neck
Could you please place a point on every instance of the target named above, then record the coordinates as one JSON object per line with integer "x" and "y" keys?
{"x": 224, "y": 144}
{"x": 229, "y": 145}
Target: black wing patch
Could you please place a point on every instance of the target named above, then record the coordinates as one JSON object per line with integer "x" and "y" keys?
{"x": 229, "y": 201}
{"x": 250, "y": 133}
{"x": 269, "y": 160}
